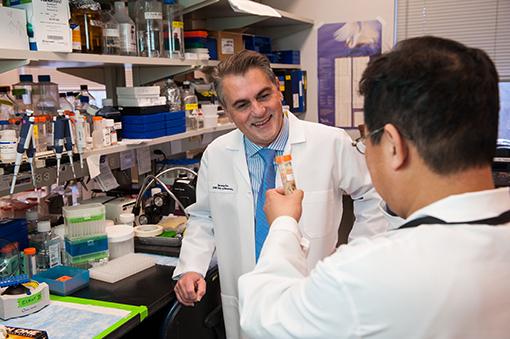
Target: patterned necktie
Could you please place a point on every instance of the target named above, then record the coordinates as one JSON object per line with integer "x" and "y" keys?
{"x": 268, "y": 181}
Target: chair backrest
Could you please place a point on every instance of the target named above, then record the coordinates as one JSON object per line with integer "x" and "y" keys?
{"x": 204, "y": 320}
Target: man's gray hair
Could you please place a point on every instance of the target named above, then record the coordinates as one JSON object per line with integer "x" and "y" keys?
{"x": 239, "y": 64}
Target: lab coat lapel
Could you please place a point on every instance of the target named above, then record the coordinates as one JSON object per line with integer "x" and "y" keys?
{"x": 296, "y": 133}
{"x": 236, "y": 146}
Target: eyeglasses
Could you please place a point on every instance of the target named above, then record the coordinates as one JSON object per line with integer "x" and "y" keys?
{"x": 359, "y": 143}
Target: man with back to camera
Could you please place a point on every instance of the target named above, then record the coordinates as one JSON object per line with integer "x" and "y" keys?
{"x": 228, "y": 215}
{"x": 431, "y": 114}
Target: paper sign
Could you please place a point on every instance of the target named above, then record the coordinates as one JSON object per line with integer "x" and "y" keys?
{"x": 127, "y": 159}
{"x": 143, "y": 158}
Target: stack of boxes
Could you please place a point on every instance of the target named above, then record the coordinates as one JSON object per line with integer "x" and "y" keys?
{"x": 85, "y": 235}
{"x": 143, "y": 121}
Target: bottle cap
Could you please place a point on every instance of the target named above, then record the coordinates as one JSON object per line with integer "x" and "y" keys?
{"x": 283, "y": 158}
{"x": 97, "y": 118}
{"x": 84, "y": 99}
{"x": 26, "y": 78}
{"x": 62, "y": 95}
{"x": 84, "y": 87}
{"x": 29, "y": 251}
{"x": 44, "y": 78}
{"x": 4, "y": 89}
{"x": 126, "y": 218}
{"x": 43, "y": 226}
{"x": 155, "y": 190}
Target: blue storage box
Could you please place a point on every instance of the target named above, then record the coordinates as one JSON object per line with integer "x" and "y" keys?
{"x": 81, "y": 246}
{"x": 15, "y": 230}
{"x": 289, "y": 57}
{"x": 64, "y": 280}
{"x": 213, "y": 49}
{"x": 175, "y": 130}
{"x": 133, "y": 134}
{"x": 257, "y": 43}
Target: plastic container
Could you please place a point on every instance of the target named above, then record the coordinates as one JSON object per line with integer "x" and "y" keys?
{"x": 127, "y": 219}
{"x": 8, "y": 142}
{"x": 84, "y": 220}
{"x": 173, "y": 30}
{"x": 86, "y": 245}
{"x": 30, "y": 264}
{"x": 45, "y": 96}
{"x": 87, "y": 14}
{"x": 149, "y": 28}
{"x": 120, "y": 240}
{"x": 64, "y": 280}
{"x": 26, "y": 82}
{"x": 127, "y": 29}
{"x": 111, "y": 32}
{"x": 284, "y": 163}
{"x": 6, "y": 104}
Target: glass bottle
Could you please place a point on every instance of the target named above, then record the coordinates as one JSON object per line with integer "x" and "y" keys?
{"x": 173, "y": 30}
{"x": 75, "y": 34}
{"x": 47, "y": 245}
{"x": 6, "y": 104}
{"x": 45, "y": 94}
{"x": 173, "y": 95}
{"x": 26, "y": 82}
{"x": 64, "y": 103}
{"x": 190, "y": 105}
{"x": 127, "y": 29}
{"x": 84, "y": 92}
{"x": 111, "y": 33}
{"x": 87, "y": 14}
{"x": 149, "y": 25}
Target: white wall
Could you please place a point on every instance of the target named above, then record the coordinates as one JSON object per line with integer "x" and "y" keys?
{"x": 329, "y": 11}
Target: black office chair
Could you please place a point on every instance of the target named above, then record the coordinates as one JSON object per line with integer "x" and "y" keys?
{"x": 203, "y": 321}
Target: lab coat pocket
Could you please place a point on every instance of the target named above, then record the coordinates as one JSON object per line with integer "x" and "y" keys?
{"x": 230, "y": 307}
{"x": 319, "y": 208}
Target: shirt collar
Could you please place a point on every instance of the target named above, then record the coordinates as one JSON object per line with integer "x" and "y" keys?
{"x": 467, "y": 206}
{"x": 278, "y": 144}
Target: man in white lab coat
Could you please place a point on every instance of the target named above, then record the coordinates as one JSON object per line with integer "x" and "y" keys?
{"x": 223, "y": 218}
{"x": 431, "y": 114}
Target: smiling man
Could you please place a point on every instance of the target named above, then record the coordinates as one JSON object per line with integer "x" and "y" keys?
{"x": 237, "y": 169}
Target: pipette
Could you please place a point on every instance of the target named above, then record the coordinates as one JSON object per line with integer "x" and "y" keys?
{"x": 58, "y": 139}
{"x": 80, "y": 135}
{"x": 69, "y": 141}
{"x": 25, "y": 143}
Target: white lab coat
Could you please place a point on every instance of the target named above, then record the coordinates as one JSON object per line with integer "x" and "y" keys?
{"x": 431, "y": 281}
{"x": 325, "y": 165}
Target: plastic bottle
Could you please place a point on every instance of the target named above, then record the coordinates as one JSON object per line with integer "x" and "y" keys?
{"x": 149, "y": 27}
{"x": 190, "y": 105}
{"x": 111, "y": 32}
{"x": 284, "y": 163}
{"x": 64, "y": 103}
{"x": 127, "y": 29}
{"x": 173, "y": 30}
{"x": 30, "y": 262}
{"x": 100, "y": 134}
{"x": 32, "y": 219}
{"x": 109, "y": 124}
{"x": 8, "y": 142}
{"x": 19, "y": 102}
{"x": 87, "y": 14}
{"x": 45, "y": 95}
{"x": 110, "y": 112}
{"x": 71, "y": 97}
{"x": 26, "y": 82}
{"x": 41, "y": 134}
{"x": 127, "y": 219}
{"x": 47, "y": 245}
{"x": 6, "y": 104}
{"x": 173, "y": 95}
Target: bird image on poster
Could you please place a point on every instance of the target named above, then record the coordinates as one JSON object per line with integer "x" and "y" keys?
{"x": 344, "y": 50}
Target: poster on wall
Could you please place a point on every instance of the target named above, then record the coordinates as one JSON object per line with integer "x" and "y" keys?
{"x": 343, "y": 52}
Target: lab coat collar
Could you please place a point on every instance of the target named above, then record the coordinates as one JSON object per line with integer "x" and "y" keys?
{"x": 296, "y": 134}
{"x": 468, "y": 206}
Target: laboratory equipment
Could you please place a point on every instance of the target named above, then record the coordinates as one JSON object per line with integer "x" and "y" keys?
{"x": 111, "y": 32}
{"x": 62, "y": 135}
{"x": 190, "y": 105}
{"x": 116, "y": 207}
{"x": 126, "y": 219}
{"x": 84, "y": 92}
{"x": 64, "y": 280}
{"x": 149, "y": 22}
{"x": 69, "y": 141}
{"x": 45, "y": 96}
{"x": 81, "y": 135}
{"x": 64, "y": 103}
{"x": 21, "y": 296}
{"x": 284, "y": 163}
{"x": 127, "y": 29}
{"x": 147, "y": 231}
{"x": 30, "y": 261}
{"x": 6, "y": 104}
{"x": 84, "y": 220}
{"x": 173, "y": 95}
{"x": 121, "y": 268}
{"x": 26, "y": 82}
{"x": 10, "y": 259}
{"x": 120, "y": 240}
{"x": 48, "y": 246}
{"x": 173, "y": 30}
{"x": 25, "y": 144}
{"x": 8, "y": 141}
{"x": 87, "y": 14}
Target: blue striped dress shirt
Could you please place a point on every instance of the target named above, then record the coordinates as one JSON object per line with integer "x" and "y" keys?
{"x": 255, "y": 162}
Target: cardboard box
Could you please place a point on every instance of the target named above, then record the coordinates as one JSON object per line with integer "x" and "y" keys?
{"x": 228, "y": 43}
{"x": 13, "y": 32}
{"x": 47, "y": 24}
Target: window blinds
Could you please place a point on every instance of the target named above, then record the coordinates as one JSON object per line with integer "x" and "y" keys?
{"x": 483, "y": 24}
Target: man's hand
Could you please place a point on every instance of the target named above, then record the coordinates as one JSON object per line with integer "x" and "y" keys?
{"x": 190, "y": 288}
{"x": 278, "y": 204}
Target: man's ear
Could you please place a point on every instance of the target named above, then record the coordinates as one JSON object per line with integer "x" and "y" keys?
{"x": 396, "y": 146}
{"x": 278, "y": 87}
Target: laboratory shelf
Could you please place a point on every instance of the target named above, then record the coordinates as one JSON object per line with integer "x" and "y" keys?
{"x": 130, "y": 145}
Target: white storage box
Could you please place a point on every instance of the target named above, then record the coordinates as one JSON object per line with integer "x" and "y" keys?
{"x": 120, "y": 240}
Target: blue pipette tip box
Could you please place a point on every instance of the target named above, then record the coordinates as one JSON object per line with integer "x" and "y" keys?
{"x": 64, "y": 280}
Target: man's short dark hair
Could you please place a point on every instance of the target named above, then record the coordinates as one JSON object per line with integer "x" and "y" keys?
{"x": 441, "y": 95}
{"x": 239, "y": 64}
